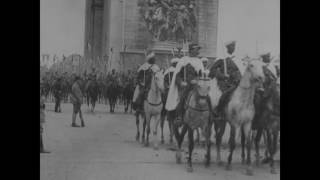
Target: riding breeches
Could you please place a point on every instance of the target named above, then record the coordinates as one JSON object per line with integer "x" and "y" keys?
{"x": 141, "y": 97}
{"x": 224, "y": 99}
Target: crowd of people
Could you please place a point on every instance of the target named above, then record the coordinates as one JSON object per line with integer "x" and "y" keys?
{"x": 74, "y": 88}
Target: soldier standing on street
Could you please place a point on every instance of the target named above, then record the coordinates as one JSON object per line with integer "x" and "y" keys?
{"x": 42, "y": 121}
{"x": 76, "y": 99}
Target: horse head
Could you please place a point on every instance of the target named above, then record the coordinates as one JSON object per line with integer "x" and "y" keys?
{"x": 158, "y": 79}
{"x": 255, "y": 71}
{"x": 203, "y": 83}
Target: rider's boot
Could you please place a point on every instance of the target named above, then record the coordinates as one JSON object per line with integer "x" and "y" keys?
{"x": 74, "y": 120}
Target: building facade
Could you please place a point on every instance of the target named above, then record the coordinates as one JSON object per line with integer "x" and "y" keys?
{"x": 115, "y": 32}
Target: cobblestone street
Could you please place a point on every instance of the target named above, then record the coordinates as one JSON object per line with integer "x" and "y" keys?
{"x": 106, "y": 149}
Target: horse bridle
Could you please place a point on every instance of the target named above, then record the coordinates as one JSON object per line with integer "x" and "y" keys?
{"x": 196, "y": 109}
{"x": 152, "y": 104}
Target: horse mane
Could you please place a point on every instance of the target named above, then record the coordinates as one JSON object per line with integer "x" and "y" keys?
{"x": 245, "y": 81}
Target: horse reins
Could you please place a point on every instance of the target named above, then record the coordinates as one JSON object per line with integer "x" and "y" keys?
{"x": 152, "y": 104}
{"x": 196, "y": 109}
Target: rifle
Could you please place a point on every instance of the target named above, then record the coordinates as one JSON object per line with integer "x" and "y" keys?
{"x": 225, "y": 65}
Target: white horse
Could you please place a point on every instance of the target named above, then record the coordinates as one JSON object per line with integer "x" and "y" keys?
{"x": 240, "y": 110}
{"x": 153, "y": 106}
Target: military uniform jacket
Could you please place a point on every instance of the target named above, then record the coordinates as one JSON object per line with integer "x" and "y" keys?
{"x": 217, "y": 71}
{"x": 76, "y": 94}
{"x": 145, "y": 73}
{"x": 187, "y": 76}
{"x": 187, "y": 70}
{"x": 57, "y": 88}
{"x": 113, "y": 79}
{"x": 270, "y": 79}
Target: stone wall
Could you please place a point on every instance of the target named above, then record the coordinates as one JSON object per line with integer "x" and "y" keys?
{"x": 93, "y": 28}
{"x": 121, "y": 25}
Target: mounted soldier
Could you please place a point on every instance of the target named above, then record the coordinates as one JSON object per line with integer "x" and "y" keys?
{"x": 184, "y": 79}
{"x": 267, "y": 106}
{"x": 144, "y": 79}
{"x": 228, "y": 72}
{"x": 270, "y": 69}
{"x": 270, "y": 73}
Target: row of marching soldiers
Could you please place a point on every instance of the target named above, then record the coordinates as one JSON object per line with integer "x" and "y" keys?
{"x": 181, "y": 76}
{"x": 74, "y": 86}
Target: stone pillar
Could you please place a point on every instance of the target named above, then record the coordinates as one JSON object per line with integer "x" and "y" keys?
{"x": 115, "y": 34}
{"x": 106, "y": 30}
{"x": 93, "y": 28}
{"x": 208, "y": 27}
{"x": 88, "y": 28}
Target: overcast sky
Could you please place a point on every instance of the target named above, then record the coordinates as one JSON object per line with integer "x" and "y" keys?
{"x": 250, "y": 22}
{"x": 62, "y": 26}
{"x": 254, "y": 24}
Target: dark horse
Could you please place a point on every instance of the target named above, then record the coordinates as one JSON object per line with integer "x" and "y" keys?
{"x": 113, "y": 93}
{"x": 166, "y": 115}
{"x": 139, "y": 112}
{"x": 92, "y": 90}
{"x": 267, "y": 119}
{"x": 197, "y": 115}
